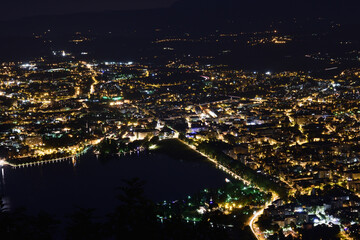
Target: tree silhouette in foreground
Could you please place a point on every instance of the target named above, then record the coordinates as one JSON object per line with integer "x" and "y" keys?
{"x": 83, "y": 226}
{"x": 135, "y": 217}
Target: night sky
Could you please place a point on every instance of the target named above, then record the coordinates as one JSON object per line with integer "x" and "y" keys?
{"x": 22, "y": 8}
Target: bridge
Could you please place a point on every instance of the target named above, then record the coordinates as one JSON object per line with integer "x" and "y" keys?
{"x": 38, "y": 163}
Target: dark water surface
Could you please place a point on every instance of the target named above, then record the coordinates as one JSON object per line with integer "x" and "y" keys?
{"x": 58, "y": 188}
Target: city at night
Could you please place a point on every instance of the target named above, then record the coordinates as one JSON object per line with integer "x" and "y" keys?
{"x": 180, "y": 120}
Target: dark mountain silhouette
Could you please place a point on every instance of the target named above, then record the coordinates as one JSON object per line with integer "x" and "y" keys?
{"x": 130, "y": 33}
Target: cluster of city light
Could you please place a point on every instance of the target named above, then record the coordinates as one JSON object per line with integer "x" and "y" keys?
{"x": 229, "y": 206}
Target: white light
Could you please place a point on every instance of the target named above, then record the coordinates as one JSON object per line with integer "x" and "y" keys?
{"x": 153, "y": 147}
{"x": 201, "y": 210}
{"x": 268, "y": 73}
{"x": 28, "y": 66}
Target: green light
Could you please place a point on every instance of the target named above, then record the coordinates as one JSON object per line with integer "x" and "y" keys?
{"x": 117, "y": 98}
{"x": 114, "y": 99}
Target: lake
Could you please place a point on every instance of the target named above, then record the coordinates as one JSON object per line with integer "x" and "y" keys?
{"x": 58, "y": 188}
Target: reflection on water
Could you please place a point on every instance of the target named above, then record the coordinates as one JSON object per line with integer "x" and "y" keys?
{"x": 91, "y": 183}
{"x": 4, "y": 198}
